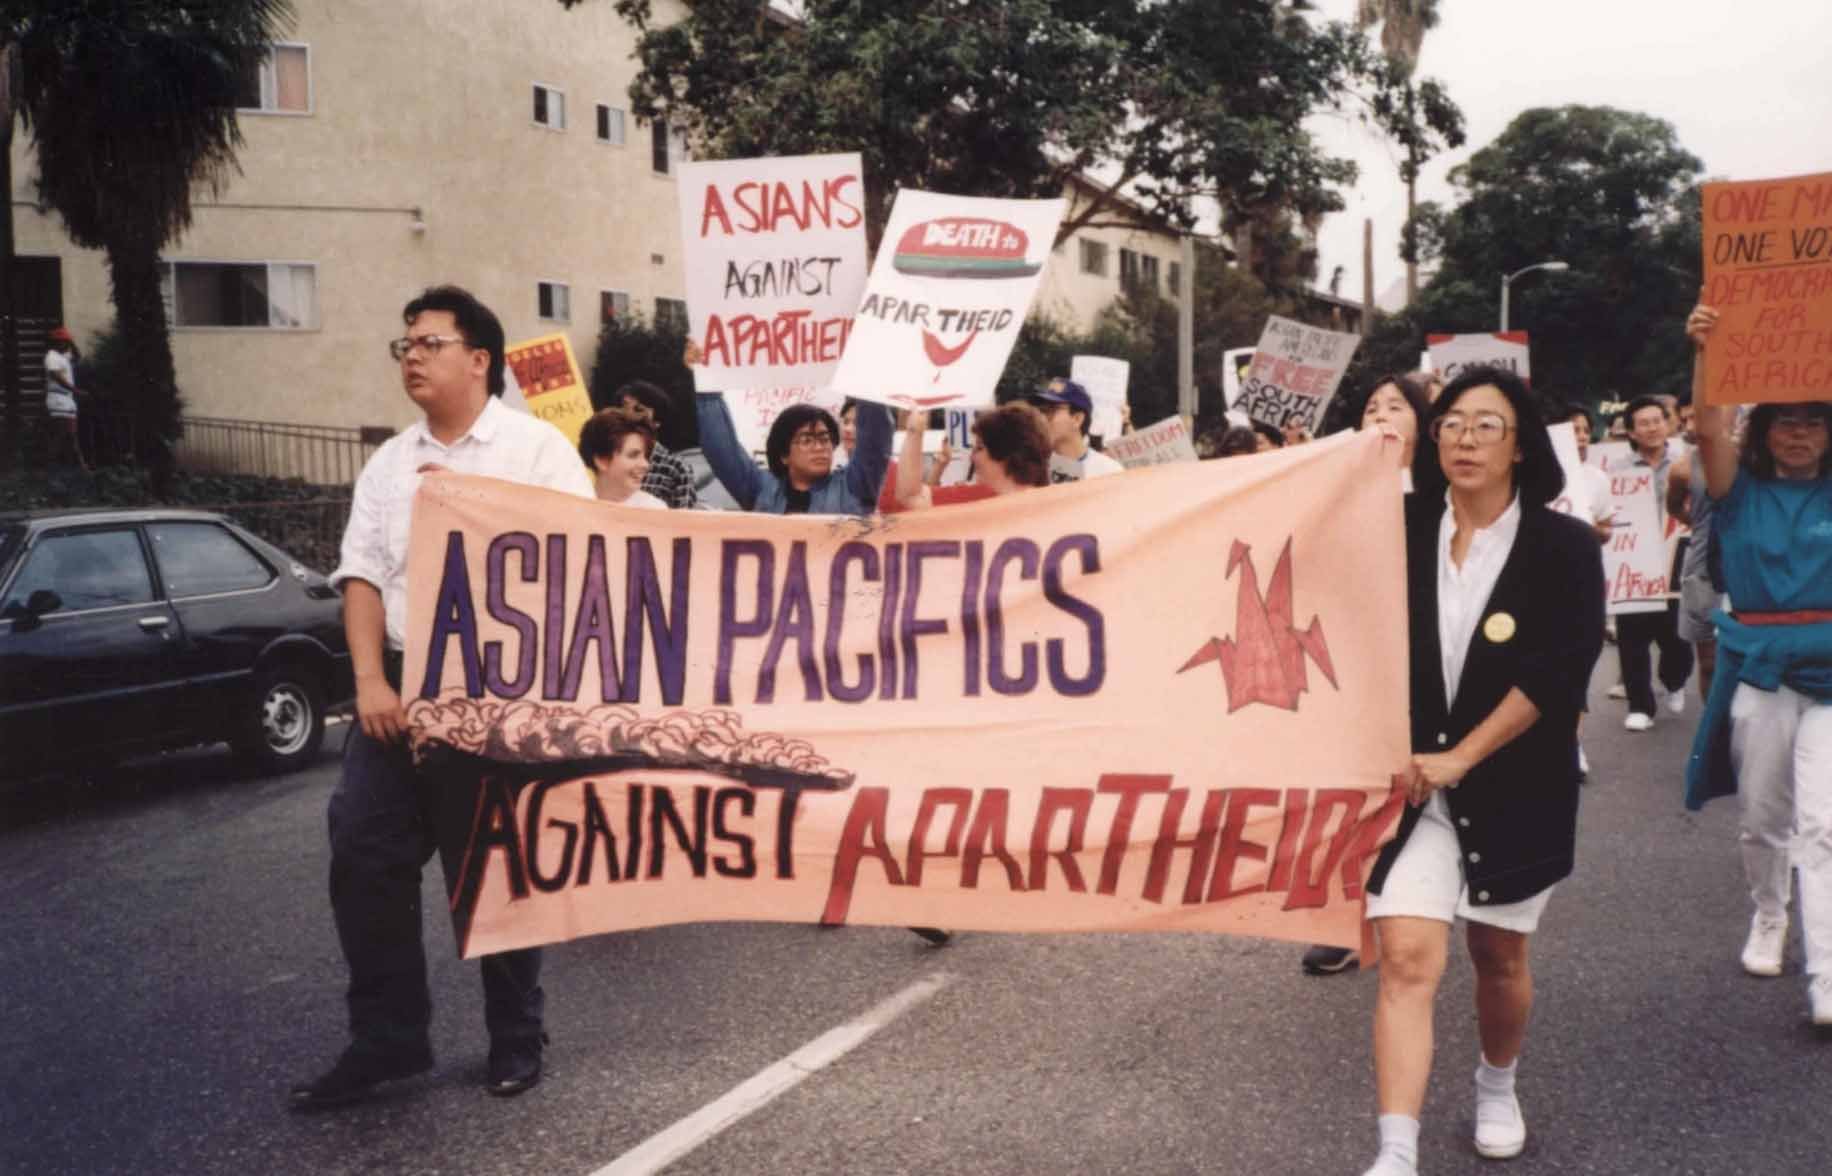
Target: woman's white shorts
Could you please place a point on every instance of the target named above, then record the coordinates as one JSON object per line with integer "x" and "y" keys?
{"x": 1426, "y": 881}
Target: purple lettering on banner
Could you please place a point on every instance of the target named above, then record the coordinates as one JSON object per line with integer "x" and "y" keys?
{"x": 794, "y": 621}
{"x": 730, "y": 627}
{"x": 970, "y": 616}
{"x": 912, "y": 625}
{"x": 555, "y": 630}
{"x": 887, "y": 622}
{"x": 455, "y": 615}
{"x": 838, "y": 599}
{"x": 499, "y": 608}
{"x": 1025, "y": 554}
{"x": 593, "y": 624}
{"x": 667, "y": 627}
{"x": 1088, "y": 547}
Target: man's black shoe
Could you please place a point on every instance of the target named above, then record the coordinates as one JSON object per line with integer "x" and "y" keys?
{"x": 1324, "y": 960}
{"x": 514, "y": 1065}
{"x": 357, "y": 1073}
{"x": 934, "y": 935}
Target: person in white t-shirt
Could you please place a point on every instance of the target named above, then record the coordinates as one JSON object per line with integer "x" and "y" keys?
{"x": 1068, "y": 409}
{"x": 60, "y": 390}
{"x": 615, "y": 445}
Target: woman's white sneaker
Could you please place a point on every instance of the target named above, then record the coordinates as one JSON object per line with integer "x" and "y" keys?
{"x": 1819, "y": 995}
{"x": 1501, "y": 1133}
{"x": 1763, "y": 950}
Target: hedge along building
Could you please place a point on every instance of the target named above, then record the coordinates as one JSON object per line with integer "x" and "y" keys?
{"x": 391, "y": 144}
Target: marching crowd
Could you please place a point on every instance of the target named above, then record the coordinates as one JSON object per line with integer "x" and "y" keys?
{"x": 1505, "y": 595}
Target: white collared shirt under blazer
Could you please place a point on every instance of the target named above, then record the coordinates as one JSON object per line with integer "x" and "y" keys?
{"x": 1463, "y": 592}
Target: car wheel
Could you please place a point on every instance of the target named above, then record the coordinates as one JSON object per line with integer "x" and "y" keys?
{"x": 282, "y": 724}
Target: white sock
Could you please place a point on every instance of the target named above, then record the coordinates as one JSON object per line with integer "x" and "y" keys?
{"x": 1399, "y": 1140}
{"x": 1495, "y": 1081}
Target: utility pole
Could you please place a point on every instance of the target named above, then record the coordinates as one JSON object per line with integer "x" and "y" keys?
{"x": 1367, "y": 276}
{"x": 1186, "y": 335}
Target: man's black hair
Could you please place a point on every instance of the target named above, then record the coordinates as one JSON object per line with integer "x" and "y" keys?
{"x": 1647, "y": 400}
{"x": 790, "y": 422}
{"x": 650, "y": 397}
{"x": 475, "y": 321}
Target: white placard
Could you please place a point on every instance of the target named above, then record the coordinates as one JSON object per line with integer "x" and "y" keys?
{"x": 949, "y": 289}
{"x": 1635, "y": 560}
{"x": 1234, "y": 364}
{"x": 774, "y": 253}
{"x": 1450, "y": 354}
{"x": 754, "y": 410}
{"x": 1105, "y": 379}
{"x": 1296, "y": 369}
{"x": 1574, "y": 500}
{"x": 1163, "y": 443}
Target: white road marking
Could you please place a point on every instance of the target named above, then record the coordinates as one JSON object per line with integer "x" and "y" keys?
{"x": 672, "y": 1142}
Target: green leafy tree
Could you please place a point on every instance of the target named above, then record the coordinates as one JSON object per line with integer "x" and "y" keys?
{"x": 1612, "y": 193}
{"x": 1013, "y": 97}
{"x": 131, "y": 106}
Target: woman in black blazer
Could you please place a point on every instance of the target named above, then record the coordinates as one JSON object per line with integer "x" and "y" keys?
{"x": 1506, "y": 610}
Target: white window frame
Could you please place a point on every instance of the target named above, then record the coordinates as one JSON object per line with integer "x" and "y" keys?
{"x": 676, "y": 152}
{"x": 565, "y": 288}
{"x": 270, "y": 85}
{"x": 620, "y": 304}
{"x": 623, "y": 125}
{"x": 552, "y": 91}
{"x": 168, "y": 292}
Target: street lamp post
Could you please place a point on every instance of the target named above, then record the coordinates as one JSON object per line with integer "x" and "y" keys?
{"x": 1508, "y": 280}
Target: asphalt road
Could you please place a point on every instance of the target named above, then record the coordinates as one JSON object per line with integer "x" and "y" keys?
{"x": 168, "y": 968}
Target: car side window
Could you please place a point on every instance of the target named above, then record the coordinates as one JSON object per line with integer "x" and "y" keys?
{"x": 87, "y": 569}
{"x": 198, "y": 559}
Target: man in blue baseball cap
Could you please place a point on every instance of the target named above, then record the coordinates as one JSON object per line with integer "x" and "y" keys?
{"x": 1067, "y": 408}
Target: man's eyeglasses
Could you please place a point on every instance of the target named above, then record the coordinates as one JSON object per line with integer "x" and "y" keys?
{"x": 402, "y": 348}
{"x": 1485, "y": 428}
{"x": 812, "y": 440}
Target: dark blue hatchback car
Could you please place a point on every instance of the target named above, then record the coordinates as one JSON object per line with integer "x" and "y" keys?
{"x": 135, "y": 630}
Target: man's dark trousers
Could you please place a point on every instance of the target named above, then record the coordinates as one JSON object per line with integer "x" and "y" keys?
{"x": 1635, "y": 632}
{"x": 381, "y": 837}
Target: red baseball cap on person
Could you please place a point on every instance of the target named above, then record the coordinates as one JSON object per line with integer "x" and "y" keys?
{"x": 62, "y": 335}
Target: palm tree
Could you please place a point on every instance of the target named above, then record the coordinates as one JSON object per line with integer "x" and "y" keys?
{"x": 132, "y": 105}
{"x": 1403, "y": 25}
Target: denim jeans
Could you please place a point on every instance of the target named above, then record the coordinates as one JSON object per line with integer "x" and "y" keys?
{"x": 381, "y": 838}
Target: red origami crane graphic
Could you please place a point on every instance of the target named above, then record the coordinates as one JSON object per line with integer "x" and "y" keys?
{"x": 1264, "y": 660}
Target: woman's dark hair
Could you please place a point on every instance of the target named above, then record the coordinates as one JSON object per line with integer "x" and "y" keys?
{"x": 1015, "y": 436}
{"x": 1270, "y": 433}
{"x": 1238, "y": 441}
{"x": 475, "y": 321}
{"x": 647, "y": 395}
{"x": 1537, "y": 475}
{"x": 603, "y": 434}
{"x": 1754, "y": 454}
{"x": 1410, "y": 386}
{"x": 789, "y": 422}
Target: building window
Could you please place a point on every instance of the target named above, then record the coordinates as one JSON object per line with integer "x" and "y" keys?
{"x": 1148, "y": 272}
{"x": 1176, "y": 278}
{"x": 554, "y": 301}
{"x": 1129, "y": 268}
{"x": 670, "y": 314}
{"x": 550, "y": 107}
{"x": 613, "y": 304}
{"x": 1094, "y": 258}
{"x": 666, "y": 148}
{"x": 274, "y": 295}
{"x": 610, "y": 125}
{"x": 280, "y": 82}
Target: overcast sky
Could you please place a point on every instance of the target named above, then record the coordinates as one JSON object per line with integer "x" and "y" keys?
{"x": 1748, "y": 86}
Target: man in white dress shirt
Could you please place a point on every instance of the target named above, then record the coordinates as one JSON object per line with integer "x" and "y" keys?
{"x": 451, "y": 364}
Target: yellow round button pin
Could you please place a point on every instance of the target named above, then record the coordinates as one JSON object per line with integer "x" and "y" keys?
{"x": 1498, "y": 628}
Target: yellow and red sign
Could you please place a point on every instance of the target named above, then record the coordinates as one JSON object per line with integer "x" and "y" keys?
{"x": 548, "y": 376}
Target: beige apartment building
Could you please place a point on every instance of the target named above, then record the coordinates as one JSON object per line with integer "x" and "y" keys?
{"x": 391, "y": 144}
{"x": 1090, "y": 269}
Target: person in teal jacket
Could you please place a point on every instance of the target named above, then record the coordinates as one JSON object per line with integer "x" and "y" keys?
{"x": 1767, "y": 730}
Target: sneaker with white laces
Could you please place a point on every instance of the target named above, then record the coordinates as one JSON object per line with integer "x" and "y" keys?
{"x": 1501, "y": 1133}
{"x": 1618, "y": 691}
{"x": 1763, "y": 950}
{"x": 1819, "y": 995}
{"x": 1637, "y": 721}
{"x": 1676, "y": 702}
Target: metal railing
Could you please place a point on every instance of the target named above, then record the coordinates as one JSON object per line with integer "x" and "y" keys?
{"x": 324, "y": 455}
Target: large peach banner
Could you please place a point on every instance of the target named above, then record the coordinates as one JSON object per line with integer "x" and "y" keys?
{"x": 1170, "y": 700}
